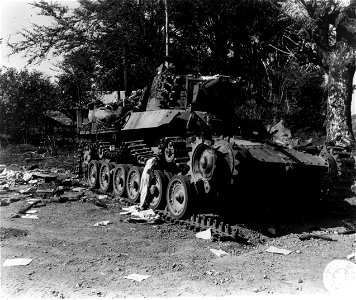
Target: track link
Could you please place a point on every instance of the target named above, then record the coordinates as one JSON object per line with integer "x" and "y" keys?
{"x": 199, "y": 222}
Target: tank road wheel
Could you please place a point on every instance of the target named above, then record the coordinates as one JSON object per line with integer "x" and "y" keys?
{"x": 179, "y": 194}
{"x": 93, "y": 174}
{"x": 119, "y": 180}
{"x": 158, "y": 189}
{"x": 105, "y": 179}
{"x": 133, "y": 184}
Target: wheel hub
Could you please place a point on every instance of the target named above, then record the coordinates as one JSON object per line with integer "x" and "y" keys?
{"x": 104, "y": 177}
{"x": 203, "y": 162}
{"x": 169, "y": 152}
{"x": 177, "y": 198}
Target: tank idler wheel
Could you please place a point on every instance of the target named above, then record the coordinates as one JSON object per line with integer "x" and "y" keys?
{"x": 179, "y": 196}
{"x": 105, "y": 178}
{"x": 133, "y": 184}
{"x": 119, "y": 180}
{"x": 158, "y": 189}
{"x": 93, "y": 174}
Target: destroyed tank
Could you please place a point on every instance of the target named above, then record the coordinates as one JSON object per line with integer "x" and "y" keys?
{"x": 207, "y": 158}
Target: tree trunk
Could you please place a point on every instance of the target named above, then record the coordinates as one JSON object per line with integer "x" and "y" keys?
{"x": 340, "y": 87}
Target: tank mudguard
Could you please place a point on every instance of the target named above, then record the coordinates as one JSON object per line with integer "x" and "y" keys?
{"x": 151, "y": 119}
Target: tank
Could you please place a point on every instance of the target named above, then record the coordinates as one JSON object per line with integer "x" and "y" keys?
{"x": 208, "y": 160}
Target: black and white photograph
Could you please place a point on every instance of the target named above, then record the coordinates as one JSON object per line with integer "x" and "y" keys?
{"x": 177, "y": 149}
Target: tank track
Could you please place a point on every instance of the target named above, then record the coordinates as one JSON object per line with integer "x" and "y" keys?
{"x": 339, "y": 187}
{"x": 200, "y": 222}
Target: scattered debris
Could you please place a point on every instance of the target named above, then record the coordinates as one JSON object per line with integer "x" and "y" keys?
{"x": 17, "y": 262}
{"x": 29, "y": 216}
{"x": 205, "y": 235}
{"x": 350, "y": 228}
{"x": 130, "y": 209}
{"x": 259, "y": 289}
{"x": 29, "y": 190}
{"x": 141, "y": 216}
{"x": 137, "y": 277}
{"x": 71, "y": 196}
{"x": 211, "y": 272}
{"x": 316, "y": 236}
{"x": 48, "y": 177}
{"x": 352, "y": 256}
{"x": 144, "y": 214}
{"x": 24, "y": 210}
{"x": 346, "y": 232}
{"x": 33, "y": 167}
{"x": 27, "y": 176}
{"x": 99, "y": 203}
{"x": 273, "y": 249}
{"x": 219, "y": 252}
{"x": 102, "y": 223}
{"x": 78, "y": 189}
{"x": 125, "y": 213}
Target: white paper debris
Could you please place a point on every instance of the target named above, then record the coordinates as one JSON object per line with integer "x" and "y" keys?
{"x": 102, "y": 223}
{"x": 138, "y": 215}
{"x": 101, "y": 197}
{"x": 219, "y": 252}
{"x": 130, "y": 208}
{"x": 31, "y": 200}
{"x": 78, "y": 189}
{"x": 137, "y": 277}
{"x": 17, "y": 262}
{"x": 145, "y": 214}
{"x": 273, "y": 249}
{"x": 29, "y": 216}
{"x": 32, "y": 211}
{"x": 205, "y": 235}
{"x": 27, "y": 176}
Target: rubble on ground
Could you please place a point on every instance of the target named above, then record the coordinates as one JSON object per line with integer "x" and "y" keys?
{"x": 55, "y": 184}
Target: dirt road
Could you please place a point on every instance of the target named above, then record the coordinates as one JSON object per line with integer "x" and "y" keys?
{"x": 71, "y": 258}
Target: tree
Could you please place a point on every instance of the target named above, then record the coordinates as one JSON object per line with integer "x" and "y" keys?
{"x": 122, "y": 37}
{"x": 122, "y": 42}
{"x": 24, "y": 97}
{"x": 331, "y": 30}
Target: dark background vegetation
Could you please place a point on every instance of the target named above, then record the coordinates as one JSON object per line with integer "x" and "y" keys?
{"x": 111, "y": 45}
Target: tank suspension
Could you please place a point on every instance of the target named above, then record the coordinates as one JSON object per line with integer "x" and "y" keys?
{"x": 139, "y": 150}
{"x": 174, "y": 153}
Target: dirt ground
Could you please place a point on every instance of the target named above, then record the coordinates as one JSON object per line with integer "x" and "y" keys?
{"x": 71, "y": 258}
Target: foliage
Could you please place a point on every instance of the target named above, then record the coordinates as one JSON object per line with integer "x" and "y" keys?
{"x": 275, "y": 49}
{"x": 24, "y": 97}
{"x": 330, "y": 28}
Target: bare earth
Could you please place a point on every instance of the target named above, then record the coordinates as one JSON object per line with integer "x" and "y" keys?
{"x": 74, "y": 259}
